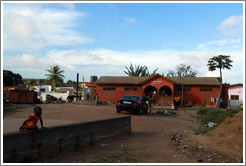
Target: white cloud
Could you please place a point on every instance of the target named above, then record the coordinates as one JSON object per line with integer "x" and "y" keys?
{"x": 217, "y": 43}
{"x": 36, "y": 27}
{"x": 108, "y": 62}
{"x": 129, "y": 20}
{"x": 69, "y": 6}
{"x": 232, "y": 26}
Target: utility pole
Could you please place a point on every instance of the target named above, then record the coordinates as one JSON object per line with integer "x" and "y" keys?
{"x": 77, "y": 87}
{"x": 83, "y": 87}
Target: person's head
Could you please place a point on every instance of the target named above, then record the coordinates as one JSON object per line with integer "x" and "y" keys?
{"x": 37, "y": 111}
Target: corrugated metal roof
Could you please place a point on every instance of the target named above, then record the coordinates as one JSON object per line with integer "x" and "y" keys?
{"x": 177, "y": 80}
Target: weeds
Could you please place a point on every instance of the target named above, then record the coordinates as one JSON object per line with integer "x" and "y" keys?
{"x": 216, "y": 115}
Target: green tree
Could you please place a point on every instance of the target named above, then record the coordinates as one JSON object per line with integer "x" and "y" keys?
{"x": 139, "y": 71}
{"x": 219, "y": 62}
{"x": 182, "y": 70}
{"x": 32, "y": 82}
{"x": 11, "y": 79}
{"x": 55, "y": 76}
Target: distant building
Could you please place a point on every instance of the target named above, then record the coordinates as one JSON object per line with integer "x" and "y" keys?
{"x": 42, "y": 88}
{"x": 235, "y": 93}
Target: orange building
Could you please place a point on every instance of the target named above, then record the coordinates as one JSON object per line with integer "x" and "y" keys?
{"x": 196, "y": 90}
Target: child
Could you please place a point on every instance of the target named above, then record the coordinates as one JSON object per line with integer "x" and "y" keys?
{"x": 31, "y": 124}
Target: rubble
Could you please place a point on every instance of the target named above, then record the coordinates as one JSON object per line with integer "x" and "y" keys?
{"x": 188, "y": 149}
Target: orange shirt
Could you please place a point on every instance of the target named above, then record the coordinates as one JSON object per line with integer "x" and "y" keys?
{"x": 32, "y": 122}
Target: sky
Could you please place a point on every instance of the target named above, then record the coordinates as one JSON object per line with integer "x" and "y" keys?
{"x": 101, "y": 39}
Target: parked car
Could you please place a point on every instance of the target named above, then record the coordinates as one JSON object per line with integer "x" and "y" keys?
{"x": 132, "y": 103}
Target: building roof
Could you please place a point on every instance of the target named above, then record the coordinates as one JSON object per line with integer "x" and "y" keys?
{"x": 237, "y": 85}
{"x": 196, "y": 80}
{"x": 120, "y": 80}
{"x": 176, "y": 80}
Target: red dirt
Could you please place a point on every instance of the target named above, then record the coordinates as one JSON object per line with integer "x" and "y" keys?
{"x": 150, "y": 139}
{"x": 227, "y": 137}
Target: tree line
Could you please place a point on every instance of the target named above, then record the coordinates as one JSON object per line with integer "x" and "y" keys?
{"x": 55, "y": 75}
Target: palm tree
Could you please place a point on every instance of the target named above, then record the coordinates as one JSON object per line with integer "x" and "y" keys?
{"x": 219, "y": 62}
{"x": 55, "y": 76}
{"x": 139, "y": 71}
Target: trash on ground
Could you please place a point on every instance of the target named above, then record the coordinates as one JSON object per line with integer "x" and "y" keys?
{"x": 185, "y": 146}
{"x": 102, "y": 145}
{"x": 212, "y": 124}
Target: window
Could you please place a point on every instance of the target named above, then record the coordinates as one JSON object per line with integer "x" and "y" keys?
{"x": 234, "y": 97}
{"x": 206, "y": 89}
{"x": 108, "y": 88}
{"x": 42, "y": 90}
{"x": 130, "y": 89}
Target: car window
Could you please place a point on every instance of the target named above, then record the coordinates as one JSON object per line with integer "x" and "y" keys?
{"x": 135, "y": 98}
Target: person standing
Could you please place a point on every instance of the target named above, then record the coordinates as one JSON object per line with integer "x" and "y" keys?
{"x": 151, "y": 103}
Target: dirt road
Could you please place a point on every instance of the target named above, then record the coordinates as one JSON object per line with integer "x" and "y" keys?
{"x": 151, "y": 140}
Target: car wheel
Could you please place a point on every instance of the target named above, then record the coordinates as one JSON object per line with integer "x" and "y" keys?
{"x": 118, "y": 111}
{"x": 140, "y": 112}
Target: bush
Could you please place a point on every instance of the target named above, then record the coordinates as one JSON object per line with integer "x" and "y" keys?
{"x": 216, "y": 115}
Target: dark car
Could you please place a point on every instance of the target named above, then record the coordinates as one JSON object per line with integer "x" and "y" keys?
{"x": 132, "y": 103}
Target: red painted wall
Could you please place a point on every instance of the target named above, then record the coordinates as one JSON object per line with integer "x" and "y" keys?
{"x": 114, "y": 95}
{"x": 197, "y": 97}
{"x": 194, "y": 96}
{"x": 158, "y": 83}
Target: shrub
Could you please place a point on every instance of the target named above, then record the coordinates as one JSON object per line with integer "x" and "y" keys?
{"x": 216, "y": 115}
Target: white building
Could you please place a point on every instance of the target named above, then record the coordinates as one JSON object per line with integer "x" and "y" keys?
{"x": 42, "y": 89}
{"x": 235, "y": 93}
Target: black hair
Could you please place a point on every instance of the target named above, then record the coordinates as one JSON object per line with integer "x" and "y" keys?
{"x": 37, "y": 109}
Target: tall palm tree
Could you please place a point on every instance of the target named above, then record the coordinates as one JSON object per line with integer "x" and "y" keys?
{"x": 219, "y": 62}
{"x": 139, "y": 71}
{"x": 55, "y": 76}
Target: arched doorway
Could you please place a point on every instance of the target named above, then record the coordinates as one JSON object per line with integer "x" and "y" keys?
{"x": 149, "y": 90}
{"x": 165, "y": 96}
{"x": 165, "y": 91}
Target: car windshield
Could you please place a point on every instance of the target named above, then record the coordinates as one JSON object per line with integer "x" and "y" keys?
{"x": 128, "y": 97}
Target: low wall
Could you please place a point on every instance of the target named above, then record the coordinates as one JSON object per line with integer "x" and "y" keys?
{"x": 16, "y": 146}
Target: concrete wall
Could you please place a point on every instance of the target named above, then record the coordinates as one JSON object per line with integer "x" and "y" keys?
{"x": 16, "y": 146}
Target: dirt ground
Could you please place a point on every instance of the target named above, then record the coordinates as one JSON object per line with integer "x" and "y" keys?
{"x": 153, "y": 139}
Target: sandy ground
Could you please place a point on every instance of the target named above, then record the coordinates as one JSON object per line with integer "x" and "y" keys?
{"x": 151, "y": 139}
